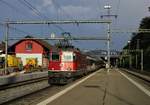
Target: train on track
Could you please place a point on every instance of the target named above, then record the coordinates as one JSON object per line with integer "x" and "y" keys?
{"x": 67, "y": 63}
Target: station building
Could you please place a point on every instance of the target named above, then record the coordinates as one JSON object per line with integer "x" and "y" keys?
{"x": 33, "y": 51}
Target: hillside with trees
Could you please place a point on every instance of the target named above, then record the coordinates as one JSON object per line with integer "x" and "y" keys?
{"x": 141, "y": 41}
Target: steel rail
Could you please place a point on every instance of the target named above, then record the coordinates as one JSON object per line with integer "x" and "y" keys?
{"x": 139, "y": 75}
{"x": 8, "y": 86}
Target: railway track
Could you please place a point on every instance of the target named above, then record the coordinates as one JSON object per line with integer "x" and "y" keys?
{"x": 16, "y": 90}
{"x": 43, "y": 91}
{"x": 138, "y": 75}
{"x": 37, "y": 96}
{"x": 8, "y": 86}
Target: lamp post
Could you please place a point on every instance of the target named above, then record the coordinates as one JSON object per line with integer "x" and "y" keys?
{"x": 108, "y": 7}
{"x": 137, "y": 52}
{"x": 142, "y": 64}
{"x": 129, "y": 44}
{"x": 130, "y": 56}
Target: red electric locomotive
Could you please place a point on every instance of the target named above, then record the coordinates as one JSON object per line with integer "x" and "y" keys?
{"x": 67, "y": 63}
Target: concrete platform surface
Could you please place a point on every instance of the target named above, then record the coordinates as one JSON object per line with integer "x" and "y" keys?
{"x": 103, "y": 88}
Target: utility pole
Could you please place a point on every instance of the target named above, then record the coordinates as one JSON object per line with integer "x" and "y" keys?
{"x": 6, "y": 47}
{"x": 130, "y": 55}
{"x": 130, "y": 61}
{"x": 108, "y": 7}
{"x": 142, "y": 66}
{"x": 137, "y": 47}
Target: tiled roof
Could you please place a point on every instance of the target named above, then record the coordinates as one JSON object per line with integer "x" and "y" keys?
{"x": 40, "y": 41}
{"x": 43, "y": 43}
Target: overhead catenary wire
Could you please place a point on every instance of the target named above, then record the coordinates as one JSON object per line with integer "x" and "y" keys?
{"x": 118, "y": 7}
{"x": 16, "y": 29}
{"x": 131, "y": 31}
{"x": 117, "y": 12}
{"x": 45, "y": 17}
{"x": 37, "y": 12}
{"x": 63, "y": 38}
{"x": 99, "y": 7}
{"x": 19, "y": 11}
{"x": 59, "y": 7}
{"x": 13, "y": 7}
{"x": 34, "y": 10}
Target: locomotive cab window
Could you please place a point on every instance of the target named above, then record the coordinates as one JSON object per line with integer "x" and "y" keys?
{"x": 55, "y": 56}
{"x": 67, "y": 56}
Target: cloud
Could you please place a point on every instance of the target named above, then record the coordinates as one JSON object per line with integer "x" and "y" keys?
{"x": 66, "y": 10}
{"x": 46, "y": 7}
{"x": 76, "y": 11}
{"x": 46, "y": 3}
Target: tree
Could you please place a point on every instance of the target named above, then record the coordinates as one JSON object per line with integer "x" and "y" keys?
{"x": 142, "y": 41}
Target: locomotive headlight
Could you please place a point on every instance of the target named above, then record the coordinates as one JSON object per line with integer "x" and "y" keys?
{"x": 61, "y": 65}
{"x": 69, "y": 68}
{"x": 74, "y": 54}
{"x": 69, "y": 74}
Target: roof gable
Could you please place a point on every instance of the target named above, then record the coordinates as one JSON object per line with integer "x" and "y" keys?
{"x": 43, "y": 43}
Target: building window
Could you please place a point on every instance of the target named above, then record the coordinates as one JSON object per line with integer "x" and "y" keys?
{"x": 55, "y": 56}
{"x": 29, "y": 46}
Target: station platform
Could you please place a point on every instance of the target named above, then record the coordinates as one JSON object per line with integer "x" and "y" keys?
{"x": 102, "y": 88}
{"x": 20, "y": 77}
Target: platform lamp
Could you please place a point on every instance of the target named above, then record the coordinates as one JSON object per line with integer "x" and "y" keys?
{"x": 130, "y": 57}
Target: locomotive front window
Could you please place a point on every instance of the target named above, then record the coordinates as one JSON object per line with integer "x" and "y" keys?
{"x": 67, "y": 56}
{"x": 55, "y": 56}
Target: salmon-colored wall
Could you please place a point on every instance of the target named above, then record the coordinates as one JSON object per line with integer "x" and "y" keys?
{"x": 21, "y": 47}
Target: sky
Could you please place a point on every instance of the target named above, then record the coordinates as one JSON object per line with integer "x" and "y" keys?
{"x": 130, "y": 13}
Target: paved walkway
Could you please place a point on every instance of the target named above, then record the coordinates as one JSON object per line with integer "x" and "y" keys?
{"x": 104, "y": 89}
